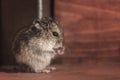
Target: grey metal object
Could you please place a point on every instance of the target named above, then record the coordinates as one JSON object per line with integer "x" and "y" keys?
{"x": 45, "y": 8}
{"x": 40, "y": 8}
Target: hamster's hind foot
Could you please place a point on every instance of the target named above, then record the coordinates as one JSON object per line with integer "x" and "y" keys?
{"x": 46, "y": 70}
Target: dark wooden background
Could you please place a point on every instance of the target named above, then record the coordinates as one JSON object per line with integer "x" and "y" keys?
{"x": 14, "y": 15}
{"x": 92, "y": 28}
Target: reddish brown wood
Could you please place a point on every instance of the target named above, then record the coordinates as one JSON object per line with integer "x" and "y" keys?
{"x": 92, "y": 27}
{"x": 68, "y": 72}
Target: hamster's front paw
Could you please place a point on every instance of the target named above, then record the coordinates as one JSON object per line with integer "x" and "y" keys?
{"x": 59, "y": 50}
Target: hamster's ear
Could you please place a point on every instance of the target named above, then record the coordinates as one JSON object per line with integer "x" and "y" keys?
{"x": 36, "y": 24}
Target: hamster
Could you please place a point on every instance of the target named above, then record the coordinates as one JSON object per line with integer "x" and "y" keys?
{"x": 36, "y": 45}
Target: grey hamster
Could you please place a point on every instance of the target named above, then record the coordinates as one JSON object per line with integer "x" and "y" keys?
{"x": 37, "y": 44}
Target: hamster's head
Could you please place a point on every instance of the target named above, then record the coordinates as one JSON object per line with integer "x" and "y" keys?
{"x": 50, "y": 32}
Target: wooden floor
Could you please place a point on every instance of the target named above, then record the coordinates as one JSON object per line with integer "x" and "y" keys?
{"x": 68, "y": 72}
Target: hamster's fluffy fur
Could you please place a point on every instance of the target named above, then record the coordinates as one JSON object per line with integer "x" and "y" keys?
{"x": 36, "y": 45}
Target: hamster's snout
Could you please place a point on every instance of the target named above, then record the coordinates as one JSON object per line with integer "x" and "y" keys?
{"x": 59, "y": 50}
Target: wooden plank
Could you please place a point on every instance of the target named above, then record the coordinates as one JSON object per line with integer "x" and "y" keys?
{"x": 91, "y": 26}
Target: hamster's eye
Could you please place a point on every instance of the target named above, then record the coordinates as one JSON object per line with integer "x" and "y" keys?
{"x": 55, "y": 34}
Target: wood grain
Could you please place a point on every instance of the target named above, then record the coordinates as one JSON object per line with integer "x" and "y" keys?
{"x": 92, "y": 27}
